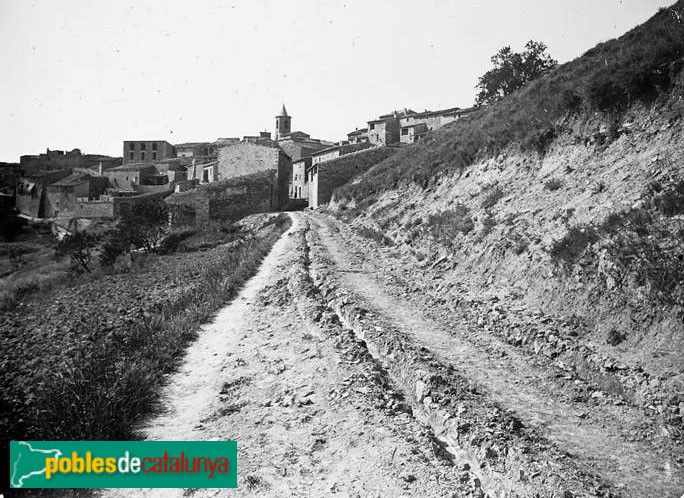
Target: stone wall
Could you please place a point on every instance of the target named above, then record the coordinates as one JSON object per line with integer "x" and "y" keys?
{"x": 231, "y": 199}
{"x": 332, "y": 174}
{"x": 62, "y": 200}
{"x": 246, "y": 158}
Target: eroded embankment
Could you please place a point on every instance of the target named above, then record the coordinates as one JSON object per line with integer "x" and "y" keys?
{"x": 490, "y": 444}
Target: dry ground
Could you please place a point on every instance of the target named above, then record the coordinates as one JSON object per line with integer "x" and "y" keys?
{"x": 335, "y": 381}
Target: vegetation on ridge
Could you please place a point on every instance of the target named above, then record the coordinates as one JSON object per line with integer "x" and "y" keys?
{"x": 637, "y": 67}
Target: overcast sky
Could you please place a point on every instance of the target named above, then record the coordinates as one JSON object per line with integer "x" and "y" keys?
{"x": 91, "y": 73}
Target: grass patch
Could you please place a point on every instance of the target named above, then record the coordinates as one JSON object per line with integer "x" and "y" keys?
{"x": 643, "y": 245}
{"x": 447, "y": 226}
{"x": 92, "y": 380}
{"x": 553, "y": 184}
{"x": 375, "y": 235}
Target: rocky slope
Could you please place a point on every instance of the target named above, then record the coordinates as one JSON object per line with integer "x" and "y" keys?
{"x": 571, "y": 250}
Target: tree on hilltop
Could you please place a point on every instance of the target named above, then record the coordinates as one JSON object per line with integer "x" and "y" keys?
{"x": 513, "y": 70}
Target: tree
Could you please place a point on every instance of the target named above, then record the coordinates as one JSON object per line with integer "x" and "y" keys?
{"x": 513, "y": 70}
{"x": 145, "y": 224}
{"x": 80, "y": 246}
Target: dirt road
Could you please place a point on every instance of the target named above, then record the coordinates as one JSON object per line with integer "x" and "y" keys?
{"x": 310, "y": 410}
{"x": 597, "y": 436}
{"x": 413, "y": 409}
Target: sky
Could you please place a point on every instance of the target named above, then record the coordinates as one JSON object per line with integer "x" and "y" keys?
{"x": 90, "y": 74}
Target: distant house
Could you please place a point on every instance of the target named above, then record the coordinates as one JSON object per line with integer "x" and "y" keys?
{"x": 358, "y": 136}
{"x": 195, "y": 149}
{"x": 337, "y": 151}
{"x": 147, "y": 151}
{"x": 324, "y": 177}
{"x": 406, "y": 126}
{"x": 31, "y": 192}
{"x": 299, "y": 186}
{"x": 128, "y": 176}
{"x": 64, "y": 196}
{"x": 247, "y": 158}
{"x": 172, "y": 169}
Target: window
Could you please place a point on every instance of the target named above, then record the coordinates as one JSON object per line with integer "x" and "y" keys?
{"x": 131, "y": 155}
{"x": 154, "y": 155}
{"x": 131, "y": 146}
{"x": 142, "y": 146}
{"x": 372, "y": 126}
{"x": 404, "y": 131}
{"x": 142, "y": 156}
{"x": 154, "y": 146}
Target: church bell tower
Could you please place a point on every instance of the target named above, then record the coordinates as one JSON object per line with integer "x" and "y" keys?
{"x": 283, "y": 124}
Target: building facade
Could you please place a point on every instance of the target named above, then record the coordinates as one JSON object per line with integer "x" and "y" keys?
{"x": 129, "y": 176}
{"x": 299, "y": 186}
{"x": 147, "y": 151}
{"x": 247, "y": 158}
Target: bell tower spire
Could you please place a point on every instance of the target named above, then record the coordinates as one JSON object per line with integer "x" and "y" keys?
{"x": 283, "y": 123}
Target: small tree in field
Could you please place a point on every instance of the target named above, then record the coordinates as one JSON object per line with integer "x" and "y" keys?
{"x": 145, "y": 225}
{"x": 80, "y": 246}
{"x": 513, "y": 70}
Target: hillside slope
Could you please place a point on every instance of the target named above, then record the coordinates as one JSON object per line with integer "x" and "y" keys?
{"x": 554, "y": 220}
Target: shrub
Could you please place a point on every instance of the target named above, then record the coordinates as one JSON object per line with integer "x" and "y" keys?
{"x": 671, "y": 201}
{"x": 448, "y": 225}
{"x": 173, "y": 239}
{"x": 492, "y": 198}
{"x": 372, "y": 234}
{"x": 11, "y": 227}
{"x": 146, "y": 224}
{"x": 570, "y": 248}
{"x": 80, "y": 247}
{"x": 553, "y": 184}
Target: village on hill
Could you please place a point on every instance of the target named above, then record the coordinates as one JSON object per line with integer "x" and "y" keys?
{"x": 281, "y": 170}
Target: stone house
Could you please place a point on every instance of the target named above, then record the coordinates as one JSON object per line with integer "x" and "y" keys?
{"x": 247, "y": 158}
{"x": 64, "y": 196}
{"x": 358, "y": 136}
{"x": 406, "y": 126}
{"x": 128, "y": 176}
{"x": 299, "y": 186}
{"x": 147, "y": 151}
{"x": 325, "y": 176}
{"x": 195, "y": 149}
{"x": 337, "y": 151}
{"x": 31, "y": 192}
{"x": 416, "y": 125}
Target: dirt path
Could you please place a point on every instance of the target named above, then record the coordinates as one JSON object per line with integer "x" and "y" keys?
{"x": 304, "y": 400}
{"x": 595, "y": 441}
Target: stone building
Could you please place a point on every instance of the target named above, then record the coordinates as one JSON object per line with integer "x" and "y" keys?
{"x": 53, "y": 160}
{"x": 195, "y": 149}
{"x": 283, "y": 123}
{"x": 64, "y": 196}
{"x": 128, "y": 176}
{"x": 325, "y": 176}
{"x": 337, "y": 151}
{"x": 299, "y": 186}
{"x": 31, "y": 192}
{"x": 358, "y": 136}
{"x": 147, "y": 151}
{"x": 246, "y": 158}
{"x": 405, "y": 126}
